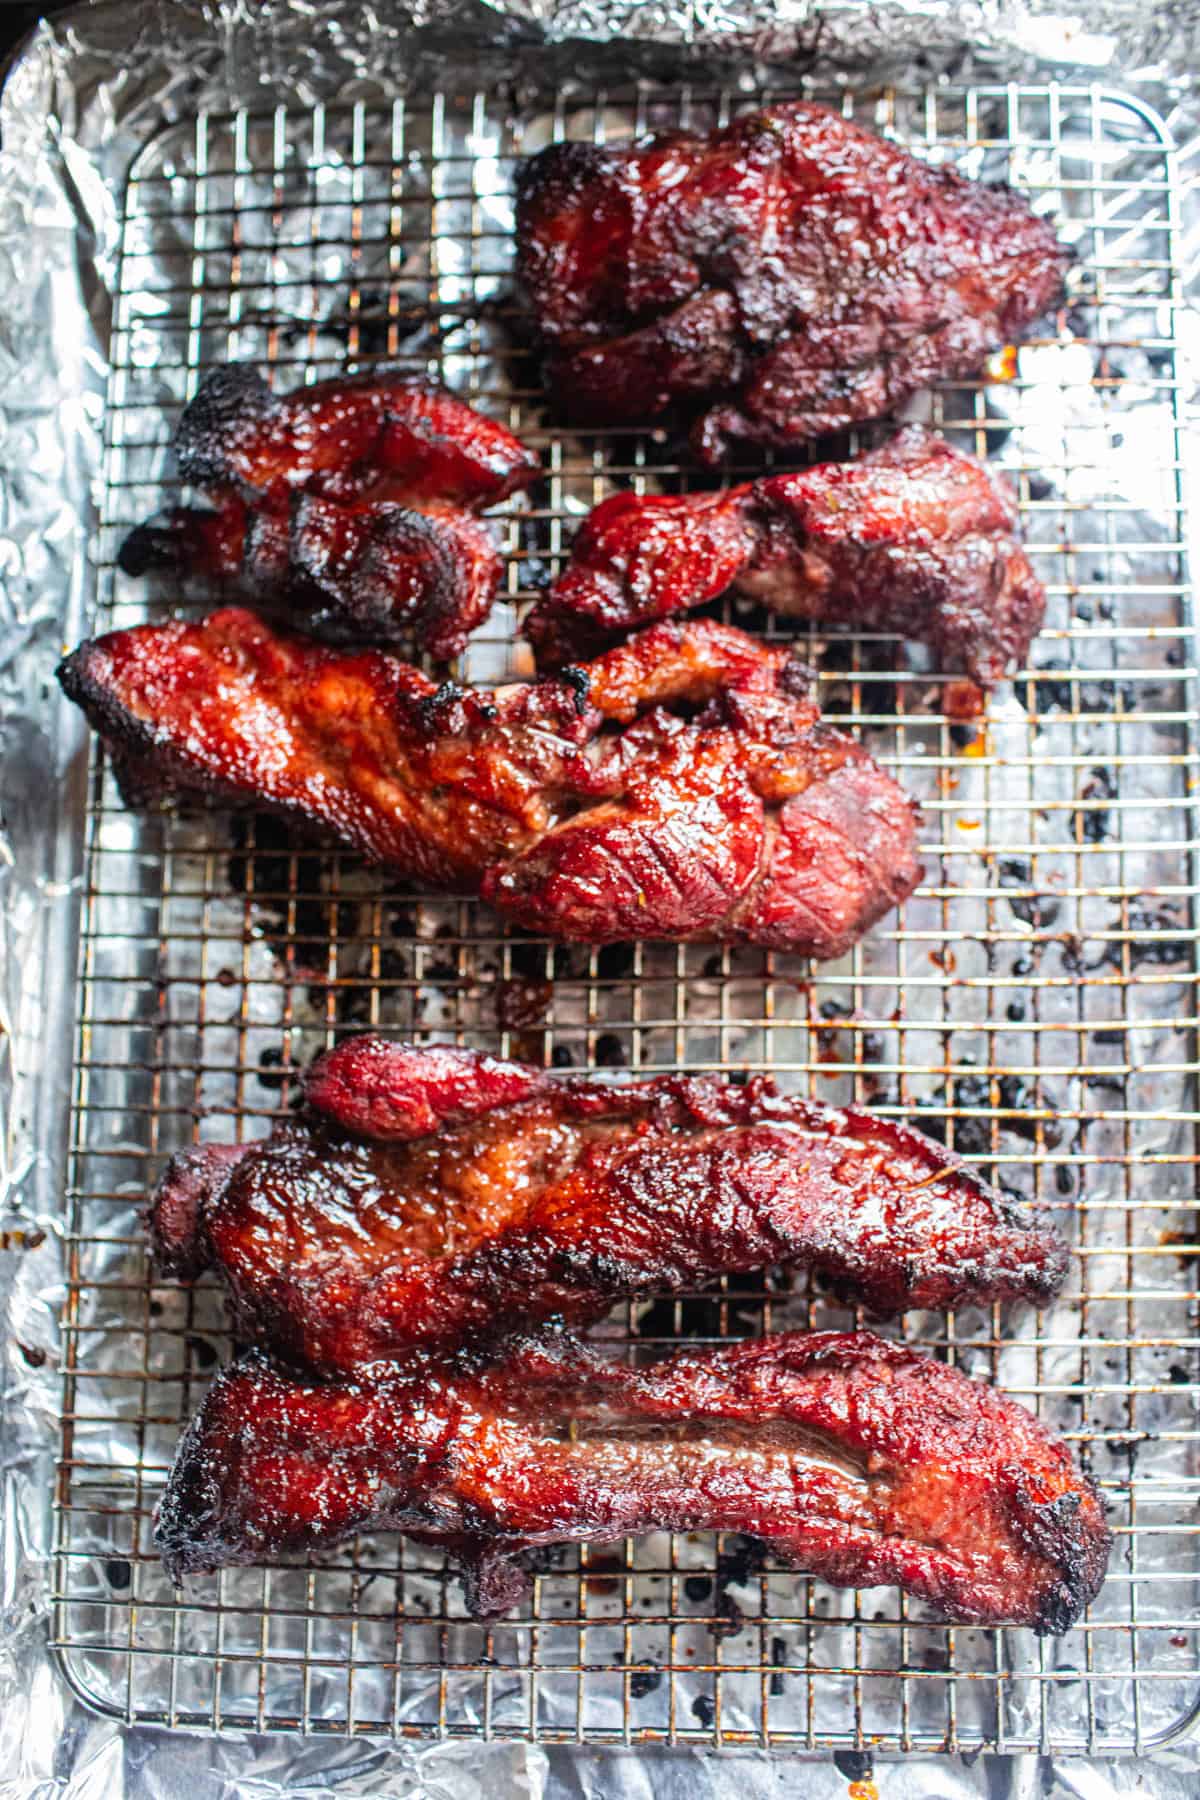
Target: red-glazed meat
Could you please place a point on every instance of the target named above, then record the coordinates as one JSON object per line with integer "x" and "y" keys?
{"x": 915, "y": 538}
{"x": 856, "y": 1459}
{"x": 476, "y": 1195}
{"x": 379, "y": 436}
{"x": 352, "y": 501}
{"x": 680, "y": 786}
{"x": 781, "y": 277}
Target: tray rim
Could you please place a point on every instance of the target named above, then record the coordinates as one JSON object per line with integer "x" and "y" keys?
{"x": 63, "y": 1651}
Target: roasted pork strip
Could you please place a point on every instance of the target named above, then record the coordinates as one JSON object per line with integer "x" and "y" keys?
{"x": 680, "y": 786}
{"x": 382, "y": 436}
{"x": 855, "y": 1459}
{"x": 351, "y": 502}
{"x": 475, "y": 1195}
{"x": 782, "y": 277}
{"x": 915, "y": 538}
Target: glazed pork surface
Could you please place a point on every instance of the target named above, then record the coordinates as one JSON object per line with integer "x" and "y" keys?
{"x": 915, "y": 538}
{"x": 779, "y": 278}
{"x": 679, "y": 786}
{"x": 434, "y": 1197}
{"x": 858, "y": 1460}
{"x": 352, "y": 502}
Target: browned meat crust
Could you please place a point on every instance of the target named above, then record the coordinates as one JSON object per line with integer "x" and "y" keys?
{"x": 679, "y": 786}
{"x": 781, "y": 277}
{"x": 352, "y": 501}
{"x": 476, "y": 1195}
{"x": 856, "y": 1459}
{"x": 915, "y": 538}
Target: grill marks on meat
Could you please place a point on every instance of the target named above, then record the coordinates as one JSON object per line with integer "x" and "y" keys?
{"x": 790, "y": 273}
{"x": 915, "y": 538}
{"x": 478, "y": 1194}
{"x": 354, "y": 501}
{"x": 680, "y": 786}
{"x": 855, "y": 1459}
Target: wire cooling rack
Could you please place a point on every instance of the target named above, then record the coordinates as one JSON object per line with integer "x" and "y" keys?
{"x": 1034, "y": 1004}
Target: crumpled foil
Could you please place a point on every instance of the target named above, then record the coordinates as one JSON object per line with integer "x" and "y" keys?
{"x": 82, "y": 96}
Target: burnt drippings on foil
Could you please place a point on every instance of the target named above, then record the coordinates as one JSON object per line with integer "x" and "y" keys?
{"x": 1035, "y": 909}
{"x": 1145, "y": 935}
{"x": 972, "y": 1094}
{"x": 707, "y": 1315}
{"x": 616, "y": 961}
{"x": 1094, "y": 823}
{"x": 368, "y": 322}
{"x": 1018, "y": 1096}
{"x": 845, "y": 1043}
{"x": 532, "y": 959}
{"x": 969, "y": 1136}
{"x": 544, "y": 1559}
{"x": 603, "y": 1571}
{"x": 855, "y": 1765}
{"x": 1158, "y": 949}
{"x": 204, "y": 1354}
{"x": 272, "y": 1073}
{"x": 294, "y": 913}
{"x": 1055, "y": 688}
{"x": 286, "y": 886}
{"x": 741, "y": 1558}
{"x": 871, "y": 667}
{"x": 441, "y": 969}
{"x": 378, "y": 322}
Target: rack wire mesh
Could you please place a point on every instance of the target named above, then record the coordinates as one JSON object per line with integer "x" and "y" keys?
{"x": 1034, "y": 1004}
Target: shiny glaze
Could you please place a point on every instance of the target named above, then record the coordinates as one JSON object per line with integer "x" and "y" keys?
{"x": 475, "y": 1194}
{"x": 790, "y": 272}
{"x": 858, "y": 1460}
{"x": 352, "y": 502}
{"x": 679, "y": 786}
{"x": 915, "y": 538}
{"x": 380, "y": 436}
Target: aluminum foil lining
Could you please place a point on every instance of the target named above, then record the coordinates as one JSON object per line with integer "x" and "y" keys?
{"x": 81, "y": 98}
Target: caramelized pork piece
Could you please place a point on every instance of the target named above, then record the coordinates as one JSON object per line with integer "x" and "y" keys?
{"x": 680, "y": 786}
{"x": 352, "y": 501}
{"x": 915, "y": 538}
{"x": 381, "y": 436}
{"x": 855, "y": 1459}
{"x": 779, "y": 278}
{"x": 474, "y": 1195}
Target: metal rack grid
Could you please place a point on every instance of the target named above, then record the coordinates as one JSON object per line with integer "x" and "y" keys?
{"x": 1035, "y": 1003}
